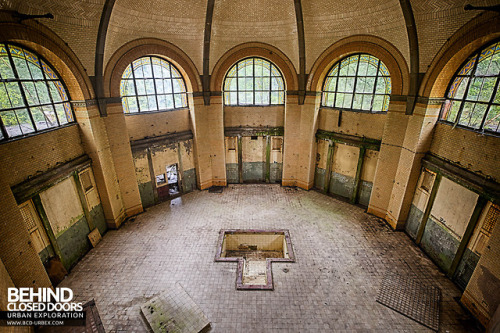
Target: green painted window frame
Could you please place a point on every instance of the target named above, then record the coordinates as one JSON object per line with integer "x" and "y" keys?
{"x": 262, "y": 84}
{"x": 353, "y": 85}
{"x": 472, "y": 98}
{"x": 33, "y": 97}
{"x": 161, "y": 88}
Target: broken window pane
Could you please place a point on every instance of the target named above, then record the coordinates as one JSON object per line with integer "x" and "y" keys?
{"x": 160, "y": 179}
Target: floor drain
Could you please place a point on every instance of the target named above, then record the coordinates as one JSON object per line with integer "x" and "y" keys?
{"x": 412, "y": 298}
{"x": 254, "y": 251}
{"x": 215, "y": 189}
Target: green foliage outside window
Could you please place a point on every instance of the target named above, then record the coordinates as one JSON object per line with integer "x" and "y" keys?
{"x": 32, "y": 97}
{"x": 473, "y": 97}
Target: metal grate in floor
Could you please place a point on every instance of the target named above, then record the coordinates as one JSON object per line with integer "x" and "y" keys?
{"x": 412, "y": 298}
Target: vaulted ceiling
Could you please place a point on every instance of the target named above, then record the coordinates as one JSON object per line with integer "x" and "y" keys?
{"x": 237, "y": 21}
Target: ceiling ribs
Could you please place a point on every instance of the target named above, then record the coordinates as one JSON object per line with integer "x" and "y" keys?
{"x": 414, "y": 55}
{"x": 99, "y": 56}
{"x": 302, "y": 51}
{"x": 206, "y": 52}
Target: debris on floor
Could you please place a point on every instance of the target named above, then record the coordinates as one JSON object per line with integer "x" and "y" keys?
{"x": 174, "y": 311}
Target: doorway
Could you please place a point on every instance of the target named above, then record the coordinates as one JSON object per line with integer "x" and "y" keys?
{"x": 168, "y": 184}
{"x": 254, "y": 159}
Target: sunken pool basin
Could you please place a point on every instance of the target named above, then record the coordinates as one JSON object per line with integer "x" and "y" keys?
{"x": 254, "y": 251}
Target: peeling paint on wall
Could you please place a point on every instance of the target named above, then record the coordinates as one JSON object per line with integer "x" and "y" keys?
{"x": 413, "y": 221}
{"x": 489, "y": 284}
{"x": 162, "y": 156}
{"x": 188, "y": 145}
{"x": 62, "y": 205}
{"x": 453, "y": 206}
{"x": 232, "y": 173}
{"x": 439, "y": 243}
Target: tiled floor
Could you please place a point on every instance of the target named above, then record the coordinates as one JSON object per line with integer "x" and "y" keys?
{"x": 342, "y": 255}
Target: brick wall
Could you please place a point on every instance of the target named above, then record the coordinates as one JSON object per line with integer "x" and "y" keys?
{"x": 240, "y": 116}
{"x": 471, "y": 150}
{"x": 208, "y": 131}
{"x": 482, "y": 295}
{"x": 32, "y": 156}
{"x": 142, "y": 125}
{"x": 370, "y": 125}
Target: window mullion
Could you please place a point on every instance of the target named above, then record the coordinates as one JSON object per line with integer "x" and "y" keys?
{"x": 23, "y": 95}
{"x": 253, "y": 79}
{"x": 184, "y": 93}
{"x": 237, "y": 83}
{"x": 135, "y": 88}
{"x": 36, "y": 91}
{"x": 48, "y": 91}
{"x": 471, "y": 75}
{"x": 336, "y": 87}
{"x": 154, "y": 85}
{"x": 3, "y": 129}
{"x": 10, "y": 99}
{"x": 375, "y": 87}
{"x": 270, "y": 83}
{"x": 492, "y": 98}
{"x": 172, "y": 82}
{"x": 355, "y": 81}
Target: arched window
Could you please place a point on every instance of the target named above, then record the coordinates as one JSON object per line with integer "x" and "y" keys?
{"x": 358, "y": 82}
{"x": 152, "y": 84}
{"x": 254, "y": 81}
{"x": 473, "y": 97}
{"x": 32, "y": 97}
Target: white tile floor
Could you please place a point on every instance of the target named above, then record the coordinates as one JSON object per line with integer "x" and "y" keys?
{"x": 342, "y": 255}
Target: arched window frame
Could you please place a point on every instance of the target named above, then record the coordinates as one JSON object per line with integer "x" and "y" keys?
{"x": 453, "y": 108}
{"x": 40, "y": 76}
{"x": 230, "y": 93}
{"x": 329, "y": 97}
{"x": 175, "y": 74}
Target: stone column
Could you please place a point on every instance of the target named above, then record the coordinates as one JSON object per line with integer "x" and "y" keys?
{"x": 122, "y": 158}
{"x": 300, "y": 143}
{"x": 405, "y": 141}
{"x": 208, "y": 132}
{"x": 97, "y": 146}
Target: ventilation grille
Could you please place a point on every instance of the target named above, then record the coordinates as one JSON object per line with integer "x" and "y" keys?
{"x": 28, "y": 218}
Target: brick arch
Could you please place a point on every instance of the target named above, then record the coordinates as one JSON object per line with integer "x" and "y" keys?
{"x": 479, "y": 31}
{"x": 152, "y": 47}
{"x": 254, "y": 49}
{"x": 375, "y": 46}
{"x": 51, "y": 47}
